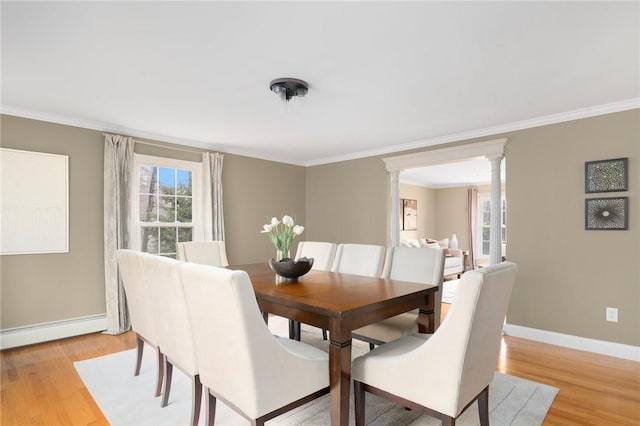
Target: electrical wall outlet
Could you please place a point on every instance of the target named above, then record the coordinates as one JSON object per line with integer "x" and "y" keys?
{"x": 612, "y": 314}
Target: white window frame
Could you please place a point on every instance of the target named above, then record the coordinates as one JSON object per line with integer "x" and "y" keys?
{"x": 482, "y": 198}
{"x": 196, "y": 187}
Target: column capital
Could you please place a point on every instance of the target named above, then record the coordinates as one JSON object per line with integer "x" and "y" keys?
{"x": 495, "y": 158}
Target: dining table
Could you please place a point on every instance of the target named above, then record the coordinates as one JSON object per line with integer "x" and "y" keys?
{"x": 340, "y": 303}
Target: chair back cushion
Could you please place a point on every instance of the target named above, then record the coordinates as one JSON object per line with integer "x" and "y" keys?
{"x": 238, "y": 358}
{"x": 174, "y": 325}
{"x": 424, "y": 265}
{"x": 468, "y": 340}
{"x": 485, "y": 326}
{"x": 323, "y": 254}
{"x": 212, "y": 253}
{"x": 137, "y": 291}
{"x": 446, "y": 370}
{"x": 359, "y": 259}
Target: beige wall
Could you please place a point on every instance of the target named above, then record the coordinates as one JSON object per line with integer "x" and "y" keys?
{"x": 426, "y": 211}
{"x": 347, "y": 202}
{"x": 52, "y": 287}
{"x": 451, "y": 215}
{"x": 254, "y": 191}
{"x": 567, "y": 275}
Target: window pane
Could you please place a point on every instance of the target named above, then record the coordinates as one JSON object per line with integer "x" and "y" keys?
{"x": 167, "y": 181}
{"x": 148, "y": 210}
{"x": 185, "y": 234}
{"x": 167, "y": 240}
{"x": 485, "y": 233}
{"x": 149, "y": 239}
{"x": 148, "y": 179}
{"x": 165, "y": 199}
{"x": 167, "y": 211}
{"x": 486, "y": 218}
{"x": 184, "y": 209}
{"x": 504, "y": 234}
{"x": 184, "y": 182}
{"x": 485, "y": 248}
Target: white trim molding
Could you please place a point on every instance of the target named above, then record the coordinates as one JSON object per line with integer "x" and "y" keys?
{"x": 602, "y": 347}
{"x": 488, "y": 149}
{"x": 44, "y": 332}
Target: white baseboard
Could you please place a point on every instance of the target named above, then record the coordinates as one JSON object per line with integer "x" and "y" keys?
{"x": 38, "y": 333}
{"x": 617, "y": 350}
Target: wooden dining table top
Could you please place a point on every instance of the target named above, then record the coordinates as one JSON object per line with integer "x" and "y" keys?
{"x": 332, "y": 294}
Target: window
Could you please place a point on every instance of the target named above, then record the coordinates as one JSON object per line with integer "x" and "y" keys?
{"x": 165, "y": 204}
{"x": 484, "y": 225}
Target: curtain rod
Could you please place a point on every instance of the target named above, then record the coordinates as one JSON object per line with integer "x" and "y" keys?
{"x": 176, "y": 148}
{"x": 160, "y": 145}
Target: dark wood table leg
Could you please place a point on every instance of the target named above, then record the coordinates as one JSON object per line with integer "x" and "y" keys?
{"x": 426, "y": 316}
{"x": 340, "y": 375}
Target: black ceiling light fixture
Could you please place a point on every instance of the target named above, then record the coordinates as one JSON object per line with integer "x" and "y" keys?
{"x": 287, "y": 88}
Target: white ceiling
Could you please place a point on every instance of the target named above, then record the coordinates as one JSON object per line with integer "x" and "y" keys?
{"x": 462, "y": 173}
{"x": 383, "y": 76}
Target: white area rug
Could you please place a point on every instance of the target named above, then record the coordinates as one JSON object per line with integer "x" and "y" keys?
{"x": 126, "y": 400}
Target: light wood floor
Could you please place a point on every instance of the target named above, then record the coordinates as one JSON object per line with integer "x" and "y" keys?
{"x": 41, "y": 387}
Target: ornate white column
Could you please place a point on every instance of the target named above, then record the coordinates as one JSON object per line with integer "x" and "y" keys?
{"x": 395, "y": 207}
{"x": 495, "y": 231}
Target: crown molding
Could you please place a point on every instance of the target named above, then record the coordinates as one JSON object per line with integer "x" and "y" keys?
{"x": 609, "y": 108}
{"x": 619, "y": 106}
{"x": 141, "y": 134}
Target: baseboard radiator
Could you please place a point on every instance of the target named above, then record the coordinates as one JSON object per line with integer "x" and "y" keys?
{"x": 38, "y": 333}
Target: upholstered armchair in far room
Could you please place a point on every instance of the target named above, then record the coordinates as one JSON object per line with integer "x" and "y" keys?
{"x": 443, "y": 373}
{"x": 453, "y": 262}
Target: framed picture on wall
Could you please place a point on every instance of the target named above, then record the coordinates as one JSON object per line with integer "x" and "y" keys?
{"x": 409, "y": 215}
{"x": 605, "y": 175}
{"x": 606, "y": 213}
{"x": 34, "y": 213}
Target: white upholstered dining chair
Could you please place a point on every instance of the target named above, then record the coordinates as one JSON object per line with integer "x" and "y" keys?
{"x": 174, "y": 328}
{"x": 323, "y": 253}
{"x": 141, "y": 308}
{"x": 240, "y": 361}
{"x": 443, "y": 373}
{"x": 420, "y": 265}
{"x": 212, "y": 253}
{"x": 359, "y": 259}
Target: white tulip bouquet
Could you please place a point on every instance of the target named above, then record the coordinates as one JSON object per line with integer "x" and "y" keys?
{"x": 282, "y": 234}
